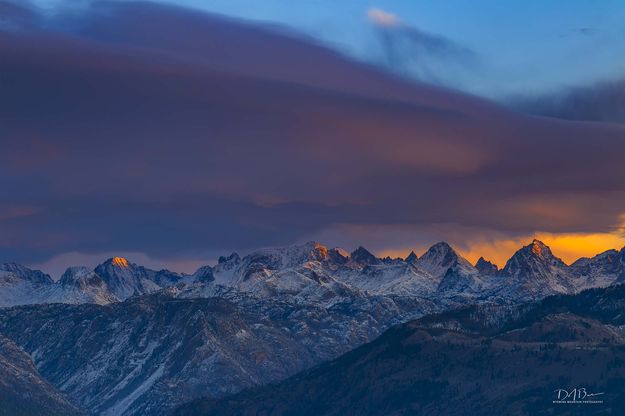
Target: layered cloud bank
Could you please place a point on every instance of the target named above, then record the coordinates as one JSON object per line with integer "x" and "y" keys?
{"x": 138, "y": 127}
{"x": 602, "y": 101}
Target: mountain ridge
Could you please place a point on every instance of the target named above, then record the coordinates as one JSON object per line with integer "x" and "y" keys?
{"x": 531, "y": 273}
{"x": 460, "y": 362}
{"x": 255, "y": 319}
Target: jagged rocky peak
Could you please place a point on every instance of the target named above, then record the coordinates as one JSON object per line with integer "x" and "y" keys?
{"x": 121, "y": 267}
{"x": 392, "y": 260}
{"x": 412, "y": 257}
{"x": 440, "y": 254}
{"x": 164, "y": 277}
{"x": 320, "y": 250}
{"x": 613, "y": 256}
{"x": 485, "y": 267}
{"x": 338, "y": 256}
{"x": 538, "y": 251}
{"x": 231, "y": 257}
{"x": 610, "y": 262}
{"x": 607, "y": 257}
{"x": 9, "y": 271}
{"x": 314, "y": 251}
{"x": 363, "y": 257}
{"x": 115, "y": 266}
{"x": 289, "y": 256}
{"x": 264, "y": 262}
{"x": 80, "y": 277}
{"x": 439, "y": 258}
{"x": 438, "y": 250}
{"x": 126, "y": 279}
{"x": 15, "y": 268}
{"x": 533, "y": 259}
{"x": 204, "y": 274}
{"x": 459, "y": 279}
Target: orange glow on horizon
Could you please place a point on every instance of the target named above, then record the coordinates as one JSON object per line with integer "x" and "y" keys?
{"x": 568, "y": 247}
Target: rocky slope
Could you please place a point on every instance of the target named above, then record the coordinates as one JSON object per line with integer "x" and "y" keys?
{"x": 478, "y": 360}
{"x": 151, "y": 352}
{"x": 22, "y": 389}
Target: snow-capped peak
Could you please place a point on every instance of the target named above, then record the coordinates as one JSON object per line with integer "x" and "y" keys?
{"x": 126, "y": 279}
{"x": 412, "y": 257}
{"x": 440, "y": 253}
{"x": 486, "y": 267}
{"x": 363, "y": 257}
{"x": 534, "y": 272}
{"x": 228, "y": 262}
{"x": 439, "y": 258}
{"x": 204, "y": 274}
{"x": 289, "y": 256}
{"x": 81, "y": 285}
{"x": 17, "y": 271}
{"x": 79, "y": 275}
{"x": 536, "y": 252}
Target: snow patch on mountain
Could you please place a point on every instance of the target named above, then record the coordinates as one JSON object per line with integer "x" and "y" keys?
{"x": 311, "y": 272}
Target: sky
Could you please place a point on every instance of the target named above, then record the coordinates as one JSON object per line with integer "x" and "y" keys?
{"x": 510, "y": 48}
{"x": 172, "y": 135}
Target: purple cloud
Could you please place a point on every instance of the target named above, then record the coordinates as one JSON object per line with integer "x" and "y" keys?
{"x": 602, "y": 101}
{"x": 147, "y": 128}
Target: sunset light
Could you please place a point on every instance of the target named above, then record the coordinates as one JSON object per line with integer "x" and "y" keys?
{"x": 312, "y": 208}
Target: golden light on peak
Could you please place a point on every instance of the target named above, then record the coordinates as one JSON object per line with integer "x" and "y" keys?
{"x": 322, "y": 249}
{"x": 567, "y": 246}
{"x": 120, "y": 262}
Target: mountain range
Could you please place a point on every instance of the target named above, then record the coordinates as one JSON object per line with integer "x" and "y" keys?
{"x": 122, "y": 339}
{"x": 478, "y": 360}
{"x": 312, "y": 272}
